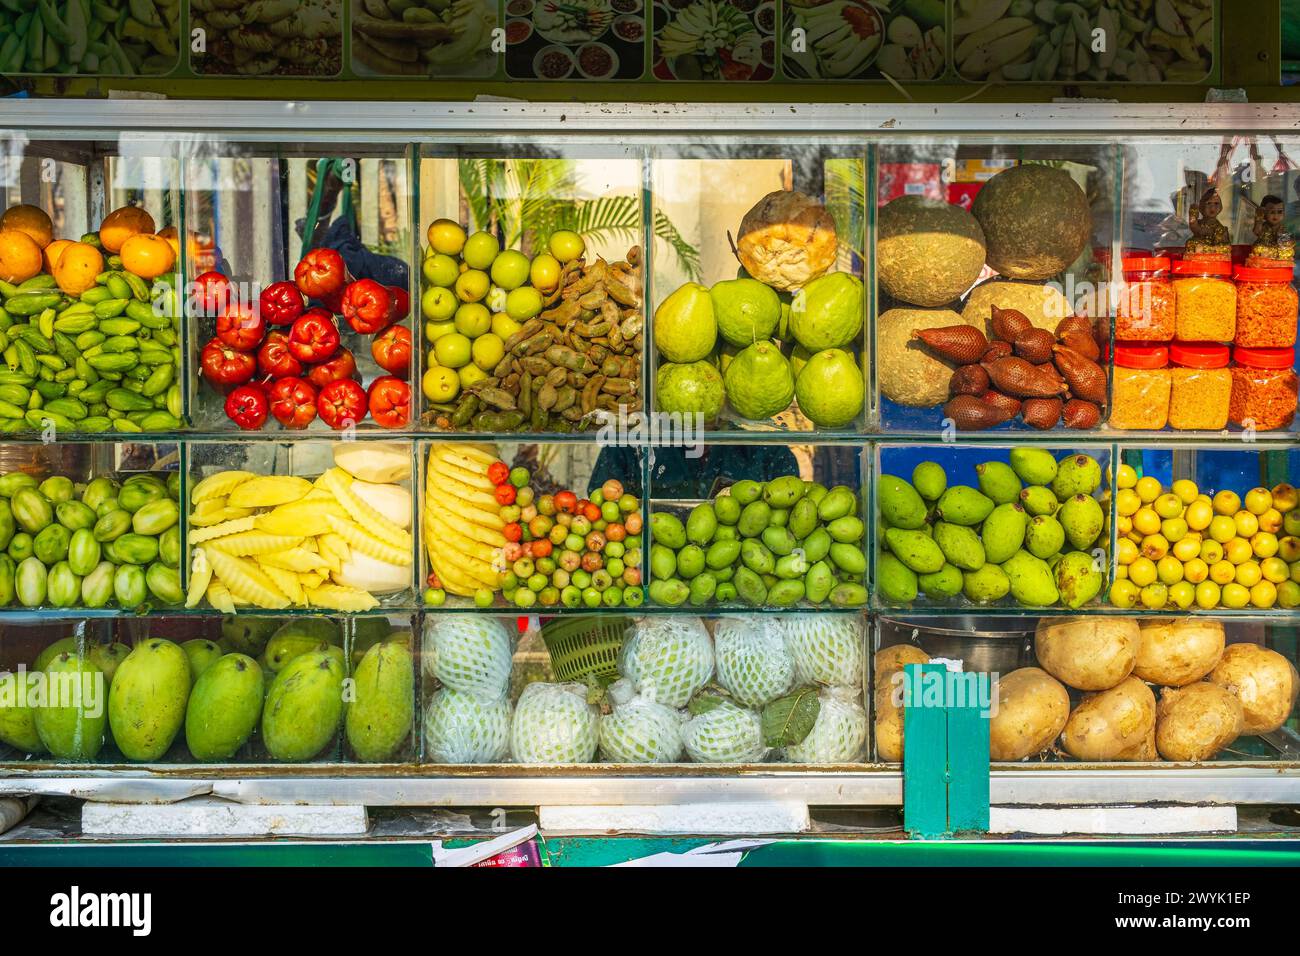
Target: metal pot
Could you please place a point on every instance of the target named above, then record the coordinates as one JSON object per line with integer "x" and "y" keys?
{"x": 983, "y": 644}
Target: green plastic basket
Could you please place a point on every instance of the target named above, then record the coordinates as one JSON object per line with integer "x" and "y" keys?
{"x": 584, "y": 650}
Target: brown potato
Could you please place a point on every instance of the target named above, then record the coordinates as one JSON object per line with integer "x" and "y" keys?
{"x": 895, "y": 657}
{"x": 1264, "y": 681}
{"x": 1087, "y": 653}
{"x": 1033, "y": 707}
{"x": 1178, "y": 651}
{"x": 1112, "y": 724}
{"x": 1144, "y": 751}
{"x": 1197, "y": 721}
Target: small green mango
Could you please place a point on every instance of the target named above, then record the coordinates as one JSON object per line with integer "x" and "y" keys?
{"x": 1076, "y": 475}
{"x": 108, "y": 657}
{"x": 201, "y": 654}
{"x": 1081, "y": 517}
{"x": 999, "y": 481}
{"x": 962, "y": 504}
{"x": 1077, "y": 579}
{"x": 1031, "y": 580}
{"x": 900, "y": 504}
{"x": 1044, "y": 537}
{"x": 915, "y": 549}
{"x": 1034, "y": 466}
{"x": 961, "y": 546}
{"x": 930, "y": 480}
{"x": 985, "y": 586}
{"x": 701, "y": 524}
{"x": 941, "y": 584}
{"x": 17, "y": 715}
{"x": 65, "y": 645}
{"x": 1038, "y": 500}
{"x": 896, "y": 583}
{"x": 1003, "y": 532}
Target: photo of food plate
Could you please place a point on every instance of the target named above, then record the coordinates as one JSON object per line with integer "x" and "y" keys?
{"x": 728, "y": 40}
{"x": 575, "y": 39}
{"x": 267, "y": 37}
{"x": 425, "y": 37}
{"x": 864, "y": 40}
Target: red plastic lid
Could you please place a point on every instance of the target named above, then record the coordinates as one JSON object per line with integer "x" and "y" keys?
{"x": 1203, "y": 267}
{"x": 1146, "y": 264}
{"x": 1141, "y": 356}
{"x": 1264, "y": 358}
{"x": 1199, "y": 354}
{"x": 1261, "y": 274}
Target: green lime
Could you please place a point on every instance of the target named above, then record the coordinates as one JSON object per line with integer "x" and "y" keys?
{"x": 473, "y": 319}
{"x": 510, "y": 269}
{"x": 440, "y": 384}
{"x": 440, "y": 270}
{"x": 566, "y": 245}
{"x": 453, "y": 350}
{"x": 480, "y": 249}
{"x": 488, "y": 351}
{"x": 523, "y": 303}
{"x": 472, "y": 285}
{"x": 438, "y": 303}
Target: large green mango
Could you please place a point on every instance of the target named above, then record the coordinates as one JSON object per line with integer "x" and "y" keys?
{"x": 379, "y": 719}
{"x": 17, "y": 715}
{"x": 304, "y": 706}
{"x": 72, "y": 720}
{"x": 146, "y": 704}
{"x": 224, "y": 707}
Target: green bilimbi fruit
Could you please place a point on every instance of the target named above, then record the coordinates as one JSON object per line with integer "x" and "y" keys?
{"x": 1031, "y": 580}
{"x": 944, "y": 583}
{"x": 900, "y": 504}
{"x": 960, "y": 545}
{"x": 1077, "y": 579}
{"x": 1082, "y": 519}
{"x": 985, "y": 586}
{"x": 1003, "y": 532}
{"x": 1044, "y": 537}
{"x": 1038, "y": 500}
{"x": 930, "y": 480}
{"x": 895, "y": 581}
{"x": 962, "y": 504}
{"x": 915, "y": 549}
{"x": 998, "y": 481}
{"x": 1035, "y": 466}
{"x": 1076, "y": 475}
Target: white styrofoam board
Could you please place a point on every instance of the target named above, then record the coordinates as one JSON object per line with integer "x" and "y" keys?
{"x": 724, "y": 818}
{"x": 1115, "y": 821}
{"x": 201, "y": 817}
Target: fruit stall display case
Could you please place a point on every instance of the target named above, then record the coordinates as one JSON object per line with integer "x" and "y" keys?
{"x": 658, "y": 185}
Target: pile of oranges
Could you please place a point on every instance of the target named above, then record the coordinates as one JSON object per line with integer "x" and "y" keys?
{"x": 28, "y": 247}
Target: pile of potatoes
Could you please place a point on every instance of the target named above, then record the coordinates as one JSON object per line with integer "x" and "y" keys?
{"x": 1209, "y": 694}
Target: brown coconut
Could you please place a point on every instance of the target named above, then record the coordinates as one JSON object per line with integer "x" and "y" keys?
{"x": 1033, "y": 707}
{"x": 1197, "y": 721}
{"x": 1035, "y": 218}
{"x": 1044, "y": 305}
{"x": 1087, "y": 653}
{"x": 907, "y": 373}
{"x": 1113, "y": 724}
{"x": 928, "y": 252}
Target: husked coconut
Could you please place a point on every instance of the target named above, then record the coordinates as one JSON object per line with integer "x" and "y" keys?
{"x": 1197, "y": 721}
{"x": 786, "y": 240}
{"x": 1035, "y": 218}
{"x": 1264, "y": 681}
{"x": 1087, "y": 653}
{"x": 1033, "y": 707}
{"x": 1044, "y": 305}
{"x": 908, "y": 374}
{"x": 1111, "y": 724}
{"x": 1177, "y": 652}
{"x": 928, "y": 252}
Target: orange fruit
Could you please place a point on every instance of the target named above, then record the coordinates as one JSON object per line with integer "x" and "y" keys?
{"x": 52, "y": 253}
{"x": 31, "y": 220}
{"x": 121, "y": 224}
{"x": 20, "y": 256}
{"x": 173, "y": 238}
{"x": 77, "y": 267}
{"x": 147, "y": 256}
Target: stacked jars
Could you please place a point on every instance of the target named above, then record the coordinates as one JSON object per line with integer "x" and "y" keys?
{"x": 1145, "y": 320}
{"x": 1141, "y": 390}
{"x": 1264, "y": 383}
{"x": 1200, "y": 387}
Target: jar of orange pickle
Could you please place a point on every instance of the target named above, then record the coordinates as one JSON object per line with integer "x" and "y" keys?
{"x": 1264, "y": 387}
{"x": 1145, "y": 310}
{"x": 1267, "y": 305}
{"x": 1141, "y": 388}
{"x": 1200, "y": 387}
{"x": 1205, "y": 301}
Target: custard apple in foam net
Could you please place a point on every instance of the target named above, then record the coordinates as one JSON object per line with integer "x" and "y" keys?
{"x": 827, "y": 648}
{"x": 467, "y": 728}
{"x": 469, "y": 653}
{"x": 753, "y": 663}
{"x": 554, "y": 724}
{"x": 639, "y": 730}
{"x": 726, "y": 733}
{"x": 839, "y": 732}
{"x": 668, "y": 659}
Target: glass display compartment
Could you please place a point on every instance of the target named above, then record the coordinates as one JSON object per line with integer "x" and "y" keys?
{"x": 299, "y": 288}
{"x": 992, "y": 261}
{"x": 89, "y": 266}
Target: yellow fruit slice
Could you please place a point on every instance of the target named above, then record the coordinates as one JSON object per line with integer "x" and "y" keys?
{"x": 267, "y": 491}
{"x": 219, "y": 597}
{"x": 464, "y": 524}
{"x": 287, "y": 582}
{"x": 207, "y": 507}
{"x": 455, "y": 581}
{"x": 366, "y": 516}
{"x": 233, "y": 526}
{"x": 296, "y": 560}
{"x": 207, "y": 520}
{"x": 445, "y": 536}
{"x": 487, "y": 519}
{"x": 219, "y": 485}
{"x": 313, "y": 579}
{"x": 247, "y": 543}
{"x": 483, "y": 454}
{"x": 333, "y": 547}
{"x": 246, "y": 580}
{"x": 336, "y": 597}
{"x": 362, "y": 540}
{"x": 461, "y": 471}
{"x": 442, "y": 487}
{"x": 200, "y": 578}
{"x": 305, "y": 517}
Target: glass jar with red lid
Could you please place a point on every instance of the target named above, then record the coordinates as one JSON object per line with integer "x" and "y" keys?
{"x": 1144, "y": 311}
{"x": 1267, "y": 305}
{"x": 1200, "y": 386}
{"x": 1140, "y": 394}
{"x": 1205, "y": 301}
{"x": 1264, "y": 388}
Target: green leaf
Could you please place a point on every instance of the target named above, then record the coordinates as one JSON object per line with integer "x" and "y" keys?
{"x": 789, "y": 719}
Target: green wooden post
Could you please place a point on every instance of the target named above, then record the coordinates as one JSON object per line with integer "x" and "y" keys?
{"x": 925, "y": 753}
{"x": 968, "y": 752}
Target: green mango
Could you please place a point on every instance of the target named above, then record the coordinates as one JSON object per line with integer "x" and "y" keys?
{"x": 146, "y": 702}
{"x": 690, "y": 561}
{"x": 63, "y": 586}
{"x": 1082, "y": 519}
{"x": 224, "y": 708}
{"x": 915, "y": 549}
{"x": 32, "y": 510}
{"x": 286, "y": 646}
{"x": 896, "y": 583}
{"x": 98, "y": 491}
{"x": 941, "y": 584}
{"x": 814, "y": 491}
{"x": 1044, "y": 537}
{"x": 754, "y": 519}
{"x": 960, "y": 545}
{"x": 1031, "y": 580}
{"x": 818, "y": 582}
{"x": 962, "y": 504}
{"x": 985, "y": 586}
{"x": 57, "y": 488}
{"x": 703, "y": 586}
{"x": 803, "y": 518}
{"x": 701, "y": 524}
{"x": 726, "y": 508}
{"x": 756, "y": 557}
{"x": 847, "y": 529}
{"x": 247, "y": 633}
{"x": 669, "y": 592}
{"x": 785, "y": 593}
{"x": 1037, "y": 500}
{"x": 784, "y": 492}
{"x": 930, "y": 480}
{"x": 900, "y": 504}
{"x": 849, "y": 559}
{"x": 817, "y": 545}
{"x": 1034, "y": 466}
{"x": 998, "y": 481}
{"x": 75, "y": 515}
{"x": 746, "y": 491}
{"x": 668, "y": 530}
{"x": 201, "y": 655}
{"x": 791, "y": 566}
{"x": 722, "y": 554}
{"x": 663, "y": 562}
{"x": 17, "y": 715}
{"x": 83, "y": 551}
{"x": 379, "y": 717}
{"x": 847, "y": 594}
{"x": 369, "y": 631}
{"x": 779, "y": 518}
{"x": 1003, "y": 532}
{"x": 779, "y": 540}
{"x": 51, "y": 545}
{"x": 839, "y": 501}
{"x": 304, "y": 707}
{"x": 155, "y": 517}
{"x": 1076, "y": 475}
{"x": 97, "y": 586}
{"x": 108, "y": 657}
{"x": 65, "y": 645}
{"x": 1077, "y": 579}
{"x": 72, "y": 722}
{"x": 750, "y": 587}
